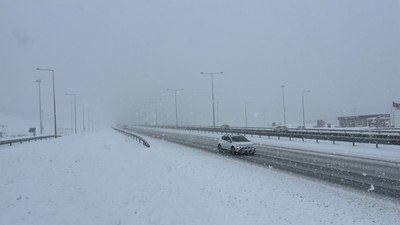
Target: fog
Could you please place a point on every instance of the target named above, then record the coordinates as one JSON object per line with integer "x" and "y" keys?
{"x": 118, "y": 56}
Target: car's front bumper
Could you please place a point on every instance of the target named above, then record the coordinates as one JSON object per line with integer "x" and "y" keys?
{"x": 245, "y": 150}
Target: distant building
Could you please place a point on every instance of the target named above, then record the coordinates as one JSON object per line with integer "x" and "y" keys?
{"x": 320, "y": 123}
{"x": 374, "y": 120}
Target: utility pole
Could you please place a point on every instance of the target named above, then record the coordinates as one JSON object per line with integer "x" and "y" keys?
{"x": 83, "y": 117}
{"x": 176, "y": 104}
{"x": 283, "y": 100}
{"x": 40, "y": 107}
{"x": 217, "y": 111}
{"x": 212, "y": 92}
{"x": 302, "y": 102}
{"x": 54, "y": 100}
{"x": 156, "y": 109}
{"x": 245, "y": 112}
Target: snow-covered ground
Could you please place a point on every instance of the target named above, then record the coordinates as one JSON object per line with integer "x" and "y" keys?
{"x": 15, "y": 126}
{"x": 384, "y": 152}
{"x": 107, "y": 178}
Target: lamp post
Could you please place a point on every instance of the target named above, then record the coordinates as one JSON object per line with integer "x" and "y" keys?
{"x": 245, "y": 111}
{"x": 54, "y": 99}
{"x": 283, "y": 101}
{"x": 212, "y": 92}
{"x": 88, "y": 121}
{"x": 156, "y": 109}
{"x": 74, "y": 108}
{"x": 40, "y": 107}
{"x": 217, "y": 111}
{"x": 83, "y": 117}
{"x": 176, "y": 104}
{"x": 302, "y": 102}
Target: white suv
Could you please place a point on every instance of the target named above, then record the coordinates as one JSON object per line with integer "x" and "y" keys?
{"x": 236, "y": 144}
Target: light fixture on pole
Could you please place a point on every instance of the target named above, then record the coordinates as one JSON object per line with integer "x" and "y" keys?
{"x": 74, "y": 108}
{"x": 54, "y": 99}
{"x": 176, "y": 104}
{"x": 302, "y": 102}
{"x": 40, "y": 107}
{"x": 212, "y": 92}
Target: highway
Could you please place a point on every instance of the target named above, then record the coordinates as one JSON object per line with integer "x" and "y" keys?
{"x": 372, "y": 175}
{"x": 388, "y": 137}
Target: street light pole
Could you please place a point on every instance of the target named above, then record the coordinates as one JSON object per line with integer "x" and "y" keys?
{"x": 156, "y": 109}
{"x": 40, "y": 107}
{"x": 88, "y": 121}
{"x": 54, "y": 99}
{"x": 212, "y": 92}
{"x": 245, "y": 112}
{"x": 83, "y": 117}
{"x": 283, "y": 100}
{"x": 302, "y": 102}
{"x": 74, "y": 108}
{"x": 176, "y": 104}
{"x": 217, "y": 111}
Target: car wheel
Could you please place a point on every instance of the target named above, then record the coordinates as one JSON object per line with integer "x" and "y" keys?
{"x": 220, "y": 149}
{"x": 233, "y": 150}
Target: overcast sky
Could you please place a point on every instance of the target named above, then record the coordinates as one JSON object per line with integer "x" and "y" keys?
{"x": 119, "y": 55}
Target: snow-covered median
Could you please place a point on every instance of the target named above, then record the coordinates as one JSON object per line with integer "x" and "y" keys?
{"x": 107, "y": 178}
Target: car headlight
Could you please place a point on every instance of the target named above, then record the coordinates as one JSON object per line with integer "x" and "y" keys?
{"x": 237, "y": 147}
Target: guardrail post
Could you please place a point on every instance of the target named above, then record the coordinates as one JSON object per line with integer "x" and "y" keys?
{"x": 333, "y": 141}
{"x": 290, "y": 138}
{"x": 316, "y": 140}
{"x": 354, "y": 144}
{"x": 376, "y": 144}
{"x": 302, "y": 138}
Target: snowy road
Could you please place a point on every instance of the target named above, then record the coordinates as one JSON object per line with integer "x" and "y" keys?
{"x": 384, "y": 152}
{"x": 107, "y": 178}
{"x": 380, "y": 176}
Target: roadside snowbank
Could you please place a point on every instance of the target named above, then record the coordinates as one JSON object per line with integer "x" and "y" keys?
{"x": 107, "y": 178}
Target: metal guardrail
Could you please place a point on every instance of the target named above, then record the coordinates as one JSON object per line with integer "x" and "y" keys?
{"x": 134, "y": 136}
{"x": 21, "y": 140}
{"x": 371, "y": 138}
{"x": 388, "y": 131}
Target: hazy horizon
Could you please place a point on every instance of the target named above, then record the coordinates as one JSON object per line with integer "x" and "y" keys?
{"x": 119, "y": 56}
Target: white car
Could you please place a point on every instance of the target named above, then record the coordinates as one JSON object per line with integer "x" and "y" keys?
{"x": 236, "y": 144}
{"x": 281, "y": 129}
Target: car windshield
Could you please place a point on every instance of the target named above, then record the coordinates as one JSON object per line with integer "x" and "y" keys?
{"x": 239, "y": 139}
